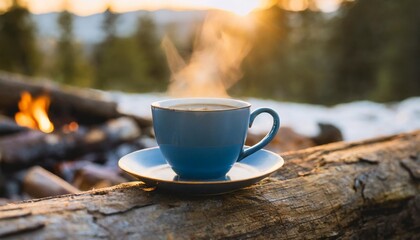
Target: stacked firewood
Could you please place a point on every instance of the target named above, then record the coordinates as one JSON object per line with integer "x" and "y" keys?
{"x": 40, "y": 164}
{"x": 74, "y": 157}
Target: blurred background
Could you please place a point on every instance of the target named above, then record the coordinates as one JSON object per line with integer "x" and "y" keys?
{"x": 313, "y": 51}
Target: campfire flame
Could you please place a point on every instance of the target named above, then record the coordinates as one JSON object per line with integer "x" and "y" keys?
{"x": 33, "y": 112}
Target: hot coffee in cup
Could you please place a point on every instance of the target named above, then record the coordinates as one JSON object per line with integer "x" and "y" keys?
{"x": 201, "y": 138}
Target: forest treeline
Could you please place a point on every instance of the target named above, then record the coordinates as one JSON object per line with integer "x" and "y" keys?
{"x": 367, "y": 49}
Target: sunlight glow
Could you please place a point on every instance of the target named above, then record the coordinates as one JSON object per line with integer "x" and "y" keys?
{"x": 240, "y": 7}
{"x": 328, "y": 5}
{"x": 295, "y": 5}
{"x": 4, "y": 5}
{"x": 83, "y": 7}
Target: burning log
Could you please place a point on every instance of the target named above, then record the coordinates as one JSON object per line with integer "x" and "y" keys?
{"x": 34, "y": 147}
{"x": 40, "y": 183}
{"x": 85, "y": 105}
{"x": 8, "y": 126}
{"x": 365, "y": 189}
{"x": 85, "y": 102}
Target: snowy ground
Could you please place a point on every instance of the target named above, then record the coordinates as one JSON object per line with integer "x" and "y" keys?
{"x": 357, "y": 120}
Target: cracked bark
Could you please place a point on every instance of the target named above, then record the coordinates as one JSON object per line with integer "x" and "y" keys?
{"x": 368, "y": 189}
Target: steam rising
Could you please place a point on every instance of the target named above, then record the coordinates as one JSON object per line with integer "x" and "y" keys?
{"x": 214, "y": 66}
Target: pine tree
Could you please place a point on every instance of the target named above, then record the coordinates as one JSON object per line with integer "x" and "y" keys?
{"x": 356, "y": 45}
{"x": 70, "y": 64}
{"x": 119, "y": 64}
{"x": 266, "y": 63}
{"x": 18, "y": 48}
{"x": 377, "y": 51}
{"x": 65, "y": 49}
{"x": 103, "y": 50}
{"x": 149, "y": 47}
{"x": 109, "y": 26}
{"x": 398, "y": 71}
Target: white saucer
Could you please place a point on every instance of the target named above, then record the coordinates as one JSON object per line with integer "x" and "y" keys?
{"x": 149, "y": 166}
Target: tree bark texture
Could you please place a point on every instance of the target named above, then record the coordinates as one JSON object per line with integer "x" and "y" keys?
{"x": 362, "y": 190}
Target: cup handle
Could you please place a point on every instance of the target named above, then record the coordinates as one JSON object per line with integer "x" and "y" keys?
{"x": 267, "y": 139}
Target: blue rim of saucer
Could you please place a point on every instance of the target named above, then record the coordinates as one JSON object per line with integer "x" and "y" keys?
{"x": 263, "y": 162}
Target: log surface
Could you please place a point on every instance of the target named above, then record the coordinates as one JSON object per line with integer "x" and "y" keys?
{"x": 368, "y": 190}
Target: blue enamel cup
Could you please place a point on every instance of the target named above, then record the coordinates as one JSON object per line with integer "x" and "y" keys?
{"x": 204, "y": 144}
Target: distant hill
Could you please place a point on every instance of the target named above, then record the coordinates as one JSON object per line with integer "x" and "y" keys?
{"x": 88, "y": 28}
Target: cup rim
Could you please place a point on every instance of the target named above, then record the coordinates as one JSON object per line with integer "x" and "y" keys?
{"x": 169, "y": 103}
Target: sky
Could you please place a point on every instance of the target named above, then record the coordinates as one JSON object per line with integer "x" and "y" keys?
{"x": 88, "y": 7}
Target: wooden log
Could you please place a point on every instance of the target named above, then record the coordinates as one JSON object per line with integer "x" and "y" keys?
{"x": 9, "y": 126}
{"x": 39, "y": 183}
{"x": 358, "y": 190}
{"x": 89, "y": 102}
{"x": 28, "y": 148}
{"x": 87, "y": 105}
{"x": 96, "y": 176}
{"x": 4, "y": 201}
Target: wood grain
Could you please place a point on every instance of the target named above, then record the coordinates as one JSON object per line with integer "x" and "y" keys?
{"x": 361, "y": 190}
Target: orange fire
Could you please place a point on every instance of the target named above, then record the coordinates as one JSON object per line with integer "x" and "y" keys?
{"x": 33, "y": 112}
{"x": 71, "y": 127}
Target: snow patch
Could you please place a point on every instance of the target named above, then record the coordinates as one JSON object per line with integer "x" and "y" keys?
{"x": 357, "y": 120}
